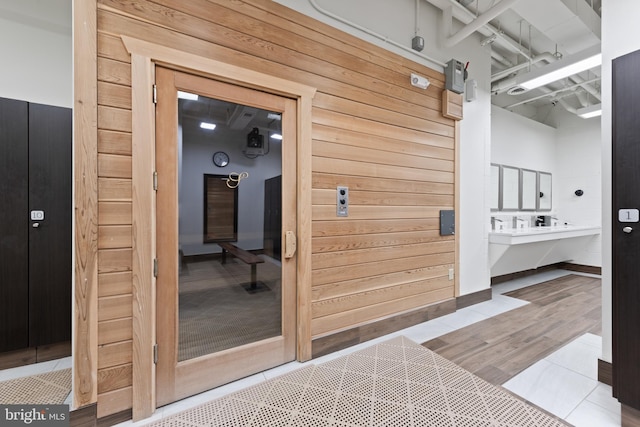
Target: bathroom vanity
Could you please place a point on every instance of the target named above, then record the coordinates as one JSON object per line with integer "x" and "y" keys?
{"x": 528, "y": 248}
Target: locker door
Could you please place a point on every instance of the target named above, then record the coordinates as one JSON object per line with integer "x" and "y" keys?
{"x": 14, "y": 223}
{"x": 50, "y": 238}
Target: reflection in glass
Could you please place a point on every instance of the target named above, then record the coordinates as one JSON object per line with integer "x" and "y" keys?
{"x": 510, "y": 188}
{"x": 229, "y": 238}
{"x": 528, "y": 182}
{"x": 544, "y": 186}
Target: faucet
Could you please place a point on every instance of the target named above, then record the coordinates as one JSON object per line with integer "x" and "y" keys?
{"x": 517, "y": 221}
{"x": 493, "y": 222}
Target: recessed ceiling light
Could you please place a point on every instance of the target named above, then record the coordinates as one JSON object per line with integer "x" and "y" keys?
{"x": 276, "y": 136}
{"x": 187, "y": 95}
{"x": 208, "y": 126}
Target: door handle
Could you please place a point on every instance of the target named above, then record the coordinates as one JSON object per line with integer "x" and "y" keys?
{"x": 627, "y": 230}
{"x": 290, "y": 244}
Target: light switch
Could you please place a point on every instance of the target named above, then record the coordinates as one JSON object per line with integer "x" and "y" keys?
{"x": 342, "y": 201}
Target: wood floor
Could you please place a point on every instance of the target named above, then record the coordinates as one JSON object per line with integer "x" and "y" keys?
{"x": 499, "y": 348}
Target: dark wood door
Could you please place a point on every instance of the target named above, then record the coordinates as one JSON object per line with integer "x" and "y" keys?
{"x": 14, "y": 223}
{"x": 626, "y": 241}
{"x": 50, "y": 238}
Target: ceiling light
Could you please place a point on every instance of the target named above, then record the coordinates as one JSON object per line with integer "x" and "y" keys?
{"x": 590, "y": 111}
{"x": 565, "y": 67}
{"x": 187, "y": 95}
{"x": 276, "y": 136}
{"x": 208, "y": 126}
{"x": 274, "y": 116}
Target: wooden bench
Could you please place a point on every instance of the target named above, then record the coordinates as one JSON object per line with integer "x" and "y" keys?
{"x": 244, "y": 256}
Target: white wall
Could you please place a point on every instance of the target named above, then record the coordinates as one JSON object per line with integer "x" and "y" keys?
{"x": 578, "y": 165}
{"x": 395, "y": 21}
{"x": 36, "y": 51}
{"x": 197, "y": 153}
{"x": 620, "y": 35}
{"x": 521, "y": 142}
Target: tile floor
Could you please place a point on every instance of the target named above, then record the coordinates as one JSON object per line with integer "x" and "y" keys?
{"x": 564, "y": 383}
{"x": 37, "y": 368}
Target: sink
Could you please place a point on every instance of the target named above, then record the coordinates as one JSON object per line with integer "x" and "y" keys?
{"x": 529, "y": 248}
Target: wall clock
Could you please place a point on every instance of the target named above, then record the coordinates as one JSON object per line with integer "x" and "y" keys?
{"x": 220, "y": 159}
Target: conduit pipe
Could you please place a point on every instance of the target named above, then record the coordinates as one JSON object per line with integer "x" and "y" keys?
{"x": 479, "y": 22}
{"x": 549, "y": 92}
{"x": 376, "y": 35}
{"x": 465, "y": 16}
{"x": 546, "y": 56}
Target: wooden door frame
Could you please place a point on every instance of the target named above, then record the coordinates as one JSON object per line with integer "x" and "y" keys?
{"x": 144, "y": 56}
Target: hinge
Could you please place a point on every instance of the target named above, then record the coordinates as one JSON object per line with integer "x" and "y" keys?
{"x": 155, "y": 354}
{"x": 155, "y": 180}
{"x": 155, "y": 94}
{"x": 155, "y": 267}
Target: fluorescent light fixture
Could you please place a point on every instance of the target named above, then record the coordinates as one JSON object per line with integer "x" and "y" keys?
{"x": 187, "y": 95}
{"x": 565, "y": 67}
{"x": 274, "y": 116}
{"x": 276, "y": 136}
{"x": 590, "y": 111}
{"x": 208, "y": 126}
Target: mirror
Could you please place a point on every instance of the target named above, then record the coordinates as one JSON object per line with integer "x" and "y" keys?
{"x": 528, "y": 190}
{"x": 544, "y": 191}
{"x": 495, "y": 187}
{"x": 510, "y": 184}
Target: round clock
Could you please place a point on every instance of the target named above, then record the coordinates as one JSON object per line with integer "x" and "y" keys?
{"x": 220, "y": 159}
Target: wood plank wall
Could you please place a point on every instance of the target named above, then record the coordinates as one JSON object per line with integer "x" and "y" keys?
{"x": 372, "y": 131}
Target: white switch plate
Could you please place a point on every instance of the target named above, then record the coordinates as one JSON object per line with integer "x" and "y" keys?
{"x": 451, "y": 274}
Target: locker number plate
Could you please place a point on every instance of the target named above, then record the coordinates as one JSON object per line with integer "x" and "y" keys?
{"x": 628, "y": 215}
{"x": 37, "y": 215}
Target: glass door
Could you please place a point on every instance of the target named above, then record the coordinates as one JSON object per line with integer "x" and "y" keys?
{"x": 226, "y": 284}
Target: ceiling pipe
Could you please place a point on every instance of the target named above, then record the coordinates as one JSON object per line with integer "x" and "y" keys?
{"x": 479, "y": 22}
{"x": 549, "y": 92}
{"x": 586, "y": 86}
{"x": 376, "y": 35}
{"x": 546, "y": 56}
{"x": 465, "y": 16}
{"x": 501, "y": 59}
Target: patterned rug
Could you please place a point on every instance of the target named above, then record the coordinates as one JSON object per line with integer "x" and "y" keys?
{"x": 49, "y": 388}
{"x": 397, "y": 383}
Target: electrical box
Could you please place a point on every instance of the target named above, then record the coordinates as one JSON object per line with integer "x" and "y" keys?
{"x": 454, "y": 76}
{"x": 447, "y": 223}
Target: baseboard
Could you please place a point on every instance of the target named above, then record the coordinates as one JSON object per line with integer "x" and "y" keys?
{"x": 589, "y": 269}
{"x": 31, "y": 355}
{"x": 605, "y": 372}
{"x": 474, "y": 298}
{"x": 113, "y": 419}
{"x": 630, "y": 416}
{"x": 84, "y": 417}
{"x": 518, "y": 274}
{"x": 341, "y": 340}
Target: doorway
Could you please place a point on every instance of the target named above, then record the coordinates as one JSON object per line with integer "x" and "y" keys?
{"x": 226, "y": 304}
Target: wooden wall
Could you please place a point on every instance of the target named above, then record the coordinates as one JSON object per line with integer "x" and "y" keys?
{"x": 372, "y": 131}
